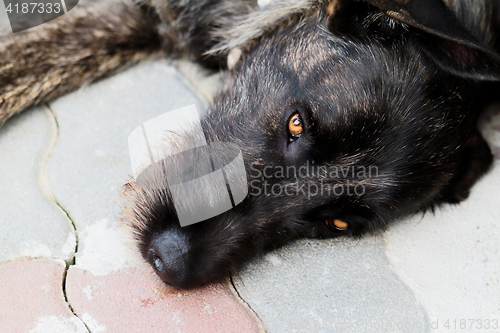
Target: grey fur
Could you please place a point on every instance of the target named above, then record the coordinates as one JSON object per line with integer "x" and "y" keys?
{"x": 88, "y": 43}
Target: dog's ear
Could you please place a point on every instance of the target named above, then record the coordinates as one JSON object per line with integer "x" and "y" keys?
{"x": 445, "y": 40}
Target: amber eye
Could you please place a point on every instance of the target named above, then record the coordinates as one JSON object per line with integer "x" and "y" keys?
{"x": 295, "y": 126}
{"x": 336, "y": 225}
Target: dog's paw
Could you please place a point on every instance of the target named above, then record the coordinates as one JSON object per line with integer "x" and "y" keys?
{"x": 477, "y": 160}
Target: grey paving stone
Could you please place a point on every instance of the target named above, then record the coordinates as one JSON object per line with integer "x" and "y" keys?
{"x": 338, "y": 285}
{"x": 91, "y": 162}
{"x": 31, "y": 224}
{"x": 451, "y": 258}
{"x": 4, "y": 21}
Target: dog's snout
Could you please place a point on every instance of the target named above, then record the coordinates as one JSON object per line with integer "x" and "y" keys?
{"x": 168, "y": 254}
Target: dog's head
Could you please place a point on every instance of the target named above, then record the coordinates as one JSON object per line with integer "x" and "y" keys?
{"x": 347, "y": 119}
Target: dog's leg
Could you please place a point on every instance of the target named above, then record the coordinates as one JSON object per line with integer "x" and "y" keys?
{"x": 90, "y": 42}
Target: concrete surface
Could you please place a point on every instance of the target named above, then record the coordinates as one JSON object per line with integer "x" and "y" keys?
{"x": 26, "y": 202}
{"x": 338, "y": 285}
{"x": 451, "y": 258}
{"x": 422, "y": 272}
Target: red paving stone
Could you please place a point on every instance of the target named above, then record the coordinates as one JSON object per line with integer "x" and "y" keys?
{"x": 134, "y": 300}
{"x": 31, "y": 298}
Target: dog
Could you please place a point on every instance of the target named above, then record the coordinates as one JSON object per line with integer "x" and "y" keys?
{"x": 350, "y": 114}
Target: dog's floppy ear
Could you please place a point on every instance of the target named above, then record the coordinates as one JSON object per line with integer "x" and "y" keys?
{"x": 447, "y": 42}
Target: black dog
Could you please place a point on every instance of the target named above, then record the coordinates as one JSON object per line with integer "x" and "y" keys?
{"x": 350, "y": 114}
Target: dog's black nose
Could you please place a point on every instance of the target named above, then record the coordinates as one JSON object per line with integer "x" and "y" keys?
{"x": 168, "y": 254}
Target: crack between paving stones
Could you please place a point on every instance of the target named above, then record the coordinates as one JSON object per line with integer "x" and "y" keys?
{"x": 231, "y": 279}
{"x": 43, "y": 178}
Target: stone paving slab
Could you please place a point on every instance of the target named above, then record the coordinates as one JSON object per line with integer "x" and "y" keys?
{"x": 5, "y": 28}
{"x": 135, "y": 300}
{"x": 31, "y": 223}
{"x": 339, "y": 285}
{"x": 31, "y": 298}
{"x": 91, "y": 162}
{"x": 451, "y": 258}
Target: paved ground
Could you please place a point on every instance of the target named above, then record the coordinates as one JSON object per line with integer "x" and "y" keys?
{"x": 67, "y": 266}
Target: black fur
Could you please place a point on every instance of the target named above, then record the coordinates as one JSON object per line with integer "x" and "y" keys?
{"x": 370, "y": 95}
{"x": 379, "y": 88}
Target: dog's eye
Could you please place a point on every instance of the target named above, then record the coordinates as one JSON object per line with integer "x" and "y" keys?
{"x": 336, "y": 225}
{"x": 295, "y": 126}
